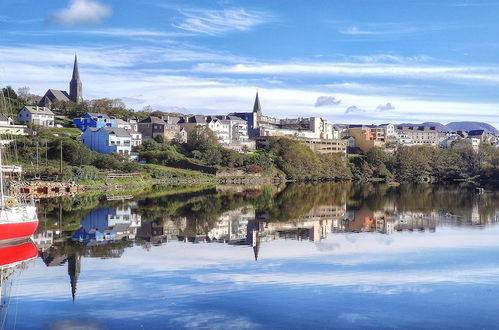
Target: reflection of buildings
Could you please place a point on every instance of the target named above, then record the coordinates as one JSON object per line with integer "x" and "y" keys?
{"x": 106, "y": 224}
{"x": 43, "y": 240}
{"x": 388, "y": 221}
{"x": 231, "y": 226}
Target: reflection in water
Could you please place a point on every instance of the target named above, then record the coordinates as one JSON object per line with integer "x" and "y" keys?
{"x": 260, "y": 214}
{"x": 258, "y": 220}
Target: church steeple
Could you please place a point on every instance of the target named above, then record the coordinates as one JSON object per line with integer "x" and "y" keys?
{"x": 75, "y": 86}
{"x": 257, "y": 107}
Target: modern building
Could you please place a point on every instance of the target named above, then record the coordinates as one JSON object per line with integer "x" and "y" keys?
{"x": 106, "y": 140}
{"x": 422, "y": 135}
{"x": 75, "y": 91}
{"x": 35, "y": 115}
{"x": 316, "y": 132}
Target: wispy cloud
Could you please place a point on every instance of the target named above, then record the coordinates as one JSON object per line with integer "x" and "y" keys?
{"x": 214, "y": 22}
{"x": 354, "y": 109}
{"x": 354, "y": 30}
{"x": 324, "y": 101}
{"x": 385, "y": 107}
{"x": 81, "y": 12}
{"x": 484, "y": 74}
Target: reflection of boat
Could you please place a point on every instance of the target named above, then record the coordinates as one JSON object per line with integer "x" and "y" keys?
{"x": 11, "y": 255}
{"x": 11, "y": 258}
{"x": 17, "y": 220}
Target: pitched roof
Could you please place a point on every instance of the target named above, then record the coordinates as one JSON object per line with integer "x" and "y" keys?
{"x": 58, "y": 95}
{"x": 3, "y": 118}
{"x": 476, "y": 132}
{"x": 154, "y": 120}
{"x": 97, "y": 115}
{"x": 118, "y": 131}
{"x": 39, "y": 110}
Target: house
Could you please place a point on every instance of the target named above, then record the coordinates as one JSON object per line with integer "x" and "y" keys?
{"x": 152, "y": 127}
{"x": 36, "y": 116}
{"x": 95, "y": 120}
{"x": 106, "y": 140}
{"x": 170, "y": 129}
{"x": 131, "y": 125}
{"x": 75, "y": 91}
{"x": 7, "y": 128}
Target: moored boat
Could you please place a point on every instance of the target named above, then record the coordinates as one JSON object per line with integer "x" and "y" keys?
{"x": 17, "y": 222}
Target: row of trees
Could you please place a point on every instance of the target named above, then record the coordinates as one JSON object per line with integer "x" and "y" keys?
{"x": 413, "y": 164}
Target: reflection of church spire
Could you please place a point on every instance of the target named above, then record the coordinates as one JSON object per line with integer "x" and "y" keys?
{"x": 74, "y": 265}
{"x": 256, "y": 243}
{"x": 256, "y": 250}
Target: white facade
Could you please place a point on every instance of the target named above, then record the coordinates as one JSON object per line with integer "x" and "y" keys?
{"x": 40, "y": 116}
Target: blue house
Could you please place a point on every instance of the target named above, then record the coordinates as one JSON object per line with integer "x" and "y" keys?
{"x": 106, "y": 140}
{"x": 95, "y": 120}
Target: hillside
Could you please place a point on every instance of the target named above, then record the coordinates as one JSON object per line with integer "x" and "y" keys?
{"x": 471, "y": 125}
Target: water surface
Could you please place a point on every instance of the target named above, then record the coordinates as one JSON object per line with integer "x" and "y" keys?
{"x": 303, "y": 256}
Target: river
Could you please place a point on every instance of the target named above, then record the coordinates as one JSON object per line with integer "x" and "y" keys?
{"x": 328, "y": 255}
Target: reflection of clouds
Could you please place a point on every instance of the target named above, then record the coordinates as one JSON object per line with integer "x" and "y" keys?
{"x": 388, "y": 279}
{"x": 75, "y": 325}
{"x": 214, "y": 320}
{"x": 353, "y": 317}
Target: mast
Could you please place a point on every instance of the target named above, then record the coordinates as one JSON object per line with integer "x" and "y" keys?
{"x": 1, "y": 181}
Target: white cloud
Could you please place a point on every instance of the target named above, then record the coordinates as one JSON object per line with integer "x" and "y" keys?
{"x": 82, "y": 12}
{"x": 324, "y": 101}
{"x": 385, "y": 107}
{"x": 482, "y": 74}
{"x": 147, "y": 76}
{"x": 354, "y": 109}
{"x": 215, "y": 22}
{"x": 354, "y": 30}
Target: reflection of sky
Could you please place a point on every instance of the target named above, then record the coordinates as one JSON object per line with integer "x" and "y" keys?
{"x": 447, "y": 279}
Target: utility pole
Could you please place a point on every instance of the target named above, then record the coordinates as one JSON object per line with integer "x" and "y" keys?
{"x": 37, "y": 156}
{"x": 60, "y": 164}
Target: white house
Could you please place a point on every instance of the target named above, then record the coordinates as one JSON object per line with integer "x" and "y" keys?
{"x": 106, "y": 140}
{"x": 37, "y": 116}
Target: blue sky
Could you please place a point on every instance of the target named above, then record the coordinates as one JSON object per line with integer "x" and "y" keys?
{"x": 394, "y": 61}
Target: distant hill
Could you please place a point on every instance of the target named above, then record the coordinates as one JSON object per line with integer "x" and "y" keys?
{"x": 471, "y": 125}
{"x": 458, "y": 126}
{"x": 439, "y": 126}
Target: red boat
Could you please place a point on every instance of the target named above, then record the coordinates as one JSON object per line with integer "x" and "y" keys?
{"x": 17, "y": 222}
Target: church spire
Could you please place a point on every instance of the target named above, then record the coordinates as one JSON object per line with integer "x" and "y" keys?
{"x": 257, "y": 107}
{"x": 75, "y": 86}
{"x": 76, "y": 71}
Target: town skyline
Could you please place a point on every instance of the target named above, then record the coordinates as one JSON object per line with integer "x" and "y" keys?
{"x": 363, "y": 67}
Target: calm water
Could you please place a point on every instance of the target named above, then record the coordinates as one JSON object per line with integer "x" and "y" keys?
{"x": 304, "y": 256}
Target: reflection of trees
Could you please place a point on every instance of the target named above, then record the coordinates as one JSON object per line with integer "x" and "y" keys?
{"x": 201, "y": 209}
{"x": 299, "y": 198}
{"x": 425, "y": 198}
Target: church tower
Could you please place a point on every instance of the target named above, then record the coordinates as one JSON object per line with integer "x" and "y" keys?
{"x": 75, "y": 86}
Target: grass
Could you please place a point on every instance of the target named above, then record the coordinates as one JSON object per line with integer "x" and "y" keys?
{"x": 64, "y": 130}
{"x": 174, "y": 172}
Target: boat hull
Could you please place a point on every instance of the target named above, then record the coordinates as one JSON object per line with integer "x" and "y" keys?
{"x": 17, "y": 231}
{"x": 17, "y": 223}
